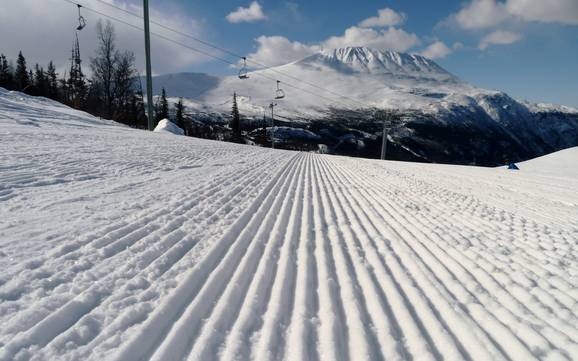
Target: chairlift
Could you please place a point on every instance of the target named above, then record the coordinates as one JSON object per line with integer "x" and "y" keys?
{"x": 81, "y": 21}
{"x": 243, "y": 72}
{"x": 279, "y": 94}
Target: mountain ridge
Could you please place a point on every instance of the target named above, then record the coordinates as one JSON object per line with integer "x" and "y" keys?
{"x": 374, "y": 60}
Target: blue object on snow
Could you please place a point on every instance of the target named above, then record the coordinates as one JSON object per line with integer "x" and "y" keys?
{"x": 513, "y": 166}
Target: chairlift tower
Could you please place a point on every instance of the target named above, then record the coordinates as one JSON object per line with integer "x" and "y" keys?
{"x": 385, "y": 115}
{"x": 150, "y": 109}
{"x": 389, "y": 121}
{"x": 272, "y": 106}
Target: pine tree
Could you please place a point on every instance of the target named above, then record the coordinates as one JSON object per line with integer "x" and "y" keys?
{"x": 5, "y": 73}
{"x": 40, "y": 84}
{"x": 30, "y": 89}
{"x": 163, "y": 111}
{"x": 21, "y": 76}
{"x": 52, "y": 82}
{"x": 63, "y": 89}
{"x": 179, "y": 114}
{"x": 235, "y": 121}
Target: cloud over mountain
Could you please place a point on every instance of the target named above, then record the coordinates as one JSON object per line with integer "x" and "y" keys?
{"x": 249, "y": 14}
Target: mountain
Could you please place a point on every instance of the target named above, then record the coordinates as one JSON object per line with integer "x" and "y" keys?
{"x": 442, "y": 118}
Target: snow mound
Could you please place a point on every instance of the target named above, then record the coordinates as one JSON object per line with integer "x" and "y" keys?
{"x": 563, "y": 163}
{"x": 166, "y": 126}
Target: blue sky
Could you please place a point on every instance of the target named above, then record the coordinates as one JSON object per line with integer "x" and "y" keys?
{"x": 527, "y": 48}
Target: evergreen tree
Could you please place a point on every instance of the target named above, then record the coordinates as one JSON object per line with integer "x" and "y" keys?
{"x": 179, "y": 114}
{"x": 138, "y": 108}
{"x": 163, "y": 106}
{"x": 157, "y": 110}
{"x": 30, "y": 89}
{"x": 235, "y": 121}
{"x": 21, "y": 76}
{"x": 52, "y": 82}
{"x": 5, "y": 73}
{"x": 63, "y": 89}
{"x": 40, "y": 85}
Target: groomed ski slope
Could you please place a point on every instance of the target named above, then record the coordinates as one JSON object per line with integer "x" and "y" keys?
{"x": 117, "y": 244}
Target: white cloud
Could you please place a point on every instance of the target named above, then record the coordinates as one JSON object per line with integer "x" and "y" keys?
{"x": 376, "y": 32}
{"x": 550, "y": 11}
{"x": 480, "y": 14}
{"x": 251, "y": 14}
{"x": 278, "y": 50}
{"x": 44, "y": 31}
{"x": 483, "y": 14}
{"x": 437, "y": 50}
{"x": 386, "y": 17}
{"x": 499, "y": 37}
{"x": 391, "y": 38}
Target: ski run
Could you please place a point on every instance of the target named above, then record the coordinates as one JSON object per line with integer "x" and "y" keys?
{"x": 119, "y": 244}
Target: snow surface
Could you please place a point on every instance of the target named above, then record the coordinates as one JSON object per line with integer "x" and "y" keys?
{"x": 119, "y": 244}
{"x": 167, "y": 126}
{"x": 563, "y": 163}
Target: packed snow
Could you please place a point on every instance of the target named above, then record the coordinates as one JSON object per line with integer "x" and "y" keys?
{"x": 119, "y": 244}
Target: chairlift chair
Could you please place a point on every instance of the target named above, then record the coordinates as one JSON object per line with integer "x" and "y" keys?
{"x": 81, "y": 21}
{"x": 243, "y": 72}
{"x": 279, "y": 94}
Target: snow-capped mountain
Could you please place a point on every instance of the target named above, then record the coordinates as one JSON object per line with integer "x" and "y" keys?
{"x": 379, "y": 62}
{"x": 444, "y": 118}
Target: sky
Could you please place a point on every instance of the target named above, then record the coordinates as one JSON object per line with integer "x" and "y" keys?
{"x": 527, "y": 48}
